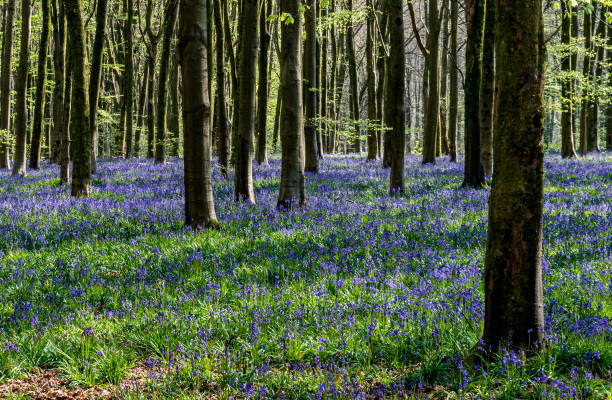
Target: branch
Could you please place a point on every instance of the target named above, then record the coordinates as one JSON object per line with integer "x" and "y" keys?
{"x": 417, "y": 35}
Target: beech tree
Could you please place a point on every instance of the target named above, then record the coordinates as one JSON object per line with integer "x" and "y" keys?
{"x": 5, "y": 83}
{"x": 193, "y": 41}
{"x": 513, "y": 260}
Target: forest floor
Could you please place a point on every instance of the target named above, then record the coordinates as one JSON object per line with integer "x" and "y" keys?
{"x": 357, "y": 295}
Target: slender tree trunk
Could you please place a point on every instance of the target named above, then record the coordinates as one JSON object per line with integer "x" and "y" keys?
{"x": 340, "y": 85}
{"x": 567, "y": 136}
{"x": 5, "y": 84}
{"x": 41, "y": 83}
{"x": 353, "y": 82}
{"x": 94, "y": 80}
{"x": 67, "y": 101}
{"x": 513, "y": 261}
{"x": 193, "y": 40}
{"x": 487, "y": 89}
{"x": 371, "y": 85}
{"x": 223, "y": 134}
{"x": 310, "y": 96}
{"x": 586, "y": 72}
{"x": 79, "y": 124}
{"x": 609, "y": 107}
{"x": 243, "y": 163}
{"x": 262, "y": 90}
{"x": 292, "y": 190}
{"x": 21, "y": 110}
{"x": 161, "y": 146}
{"x": 474, "y": 173}
{"x": 324, "y": 85}
{"x": 597, "y": 72}
{"x": 151, "y": 104}
{"x": 142, "y": 103}
{"x": 173, "y": 109}
{"x": 380, "y": 86}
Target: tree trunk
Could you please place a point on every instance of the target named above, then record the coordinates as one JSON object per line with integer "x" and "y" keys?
{"x": 262, "y": 91}
{"x": 609, "y": 107}
{"x": 597, "y": 72}
{"x": 433, "y": 94}
{"x": 567, "y": 137}
{"x": 223, "y": 133}
{"x": 586, "y": 72}
{"x": 173, "y": 109}
{"x": 371, "y": 85}
{"x": 193, "y": 40}
{"x": 380, "y": 86}
{"x": 353, "y": 82}
{"x": 21, "y": 110}
{"x": 487, "y": 90}
{"x": 394, "y": 94}
{"x": 94, "y": 79}
{"x": 5, "y": 84}
{"x": 161, "y": 146}
{"x": 474, "y": 173}
{"x": 41, "y": 83}
{"x": 513, "y": 261}
{"x": 454, "y": 94}
{"x": 324, "y": 84}
{"x": 310, "y": 87}
{"x": 79, "y": 124}
{"x": 66, "y": 112}
{"x": 243, "y": 163}
{"x": 292, "y": 190}
{"x": 142, "y": 103}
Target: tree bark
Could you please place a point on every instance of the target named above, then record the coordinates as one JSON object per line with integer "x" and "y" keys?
{"x": 21, "y": 110}
{"x": 567, "y": 137}
{"x": 261, "y": 131}
{"x": 454, "y": 94}
{"x": 79, "y": 124}
{"x": 513, "y": 261}
{"x": 243, "y": 163}
{"x": 609, "y": 107}
{"x": 193, "y": 40}
{"x": 394, "y": 94}
{"x": 95, "y": 77}
{"x": 371, "y": 87}
{"x": 292, "y": 190}
{"x": 586, "y": 72}
{"x": 596, "y": 74}
{"x": 353, "y": 80}
{"x": 473, "y": 173}
{"x": 5, "y": 84}
{"x": 161, "y": 145}
{"x": 41, "y": 83}
{"x": 142, "y": 103}
{"x": 223, "y": 134}
{"x": 487, "y": 89}
{"x": 310, "y": 87}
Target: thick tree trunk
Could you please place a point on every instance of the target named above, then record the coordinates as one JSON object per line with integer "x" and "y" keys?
{"x": 21, "y": 110}
{"x": 223, "y": 133}
{"x": 487, "y": 90}
{"x": 371, "y": 85}
{"x": 5, "y": 84}
{"x": 353, "y": 80}
{"x": 261, "y": 131}
{"x": 310, "y": 95}
{"x": 324, "y": 84}
{"x": 79, "y": 124}
{"x": 66, "y": 112}
{"x": 292, "y": 190}
{"x": 394, "y": 94}
{"x": 193, "y": 40}
{"x": 454, "y": 94}
{"x": 161, "y": 145}
{"x": 41, "y": 83}
{"x": 94, "y": 79}
{"x": 243, "y": 162}
{"x": 513, "y": 261}
{"x": 567, "y": 137}
{"x": 433, "y": 94}
{"x": 128, "y": 81}
{"x": 473, "y": 173}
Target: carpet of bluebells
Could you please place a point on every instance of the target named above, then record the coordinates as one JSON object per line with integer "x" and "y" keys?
{"x": 357, "y": 295}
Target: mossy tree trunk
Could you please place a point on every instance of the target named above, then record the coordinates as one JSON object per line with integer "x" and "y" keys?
{"x": 487, "y": 89}
{"x": 473, "y": 171}
{"x": 395, "y": 118}
{"x": 41, "y": 84}
{"x": 5, "y": 83}
{"x": 21, "y": 110}
{"x": 310, "y": 87}
{"x": 95, "y": 77}
{"x": 292, "y": 190}
{"x": 79, "y": 124}
{"x": 513, "y": 261}
{"x": 193, "y": 40}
